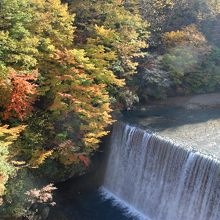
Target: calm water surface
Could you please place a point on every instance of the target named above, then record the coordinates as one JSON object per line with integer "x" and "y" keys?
{"x": 87, "y": 206}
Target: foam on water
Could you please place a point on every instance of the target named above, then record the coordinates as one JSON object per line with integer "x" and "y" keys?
{"x": 127, "y": 209}
{"x": 159, "y": 178}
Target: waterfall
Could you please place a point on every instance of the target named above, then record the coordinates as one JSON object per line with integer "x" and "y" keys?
{"x": 159, "y": 179}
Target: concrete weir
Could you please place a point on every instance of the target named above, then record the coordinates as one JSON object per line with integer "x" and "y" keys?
{"x": 159, "y": 179}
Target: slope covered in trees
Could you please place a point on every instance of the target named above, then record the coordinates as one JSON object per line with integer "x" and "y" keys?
{"x": 64, "y": 67}
{"x": 60, "y": 77}
{"x": 184, "y": 53}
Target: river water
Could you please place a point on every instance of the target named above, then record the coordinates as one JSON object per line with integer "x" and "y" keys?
{"x": 168, "y": 169}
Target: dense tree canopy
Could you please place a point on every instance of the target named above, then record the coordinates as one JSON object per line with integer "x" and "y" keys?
{"x": 58, "y": 74}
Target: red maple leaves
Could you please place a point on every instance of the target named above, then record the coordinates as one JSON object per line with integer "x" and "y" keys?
{"x": 22, "y": 95}
{"x": 84, "y": 159}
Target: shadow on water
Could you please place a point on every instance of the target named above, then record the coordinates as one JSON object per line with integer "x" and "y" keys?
{"x": 79, "y": 198}
{"x": 86, "y": 206}
{"x": 161, "y": 118}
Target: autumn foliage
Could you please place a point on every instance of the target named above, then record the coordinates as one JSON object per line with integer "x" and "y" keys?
{"x": 22, "y": 95}
{"x": 7, "y": 169}
{"x": 81, "y": 94}
{"x": 65, "y": 69}
{"x": 43, "y": 195}
{"x": 59, "y": 75}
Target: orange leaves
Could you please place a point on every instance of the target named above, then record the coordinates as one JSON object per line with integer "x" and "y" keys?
{"x": 39, "y": 156}
{"x": 84, "y": 159}
{"x": 69, "y": 154}
{"x": 22, "y": 94}
{"x": 80, "y": 91}
{"x": 188, "y": 36}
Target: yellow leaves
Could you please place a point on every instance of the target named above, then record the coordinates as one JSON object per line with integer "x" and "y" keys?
{"x": 32, "y": 31}
{"x": 39, "y": 156}
{"x": 107, "y": 34}
{"x": 55, "y": 20}
{"x": 188, "y": 36}
{"x": 3, "y": 180}
{"x": 102, "y": 61}
{"x": 9, "y": 135}
{"x": 118, "y": 35}
{"x": 91, "y": 141}
{"x": 174, "y": 37}
{"x": 98, "y": 134}
{"x": 19, "y": 51}
{"x": 18, "y": 163}
{"x": 99, "y": 54}
{"x": 83, "y": 90}
{"x": 74, "y": 56}
{"x": 74, "y": 81}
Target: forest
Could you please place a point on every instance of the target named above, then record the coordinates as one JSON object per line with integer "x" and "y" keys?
{"x": 67, "y": 68}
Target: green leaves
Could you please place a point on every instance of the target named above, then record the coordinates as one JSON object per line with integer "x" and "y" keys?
{"x": 67, "y": 106}
{"x": 111, "y": 30}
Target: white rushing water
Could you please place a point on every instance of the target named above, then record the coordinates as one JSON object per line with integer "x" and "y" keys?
{"x": 159, "y": 180}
